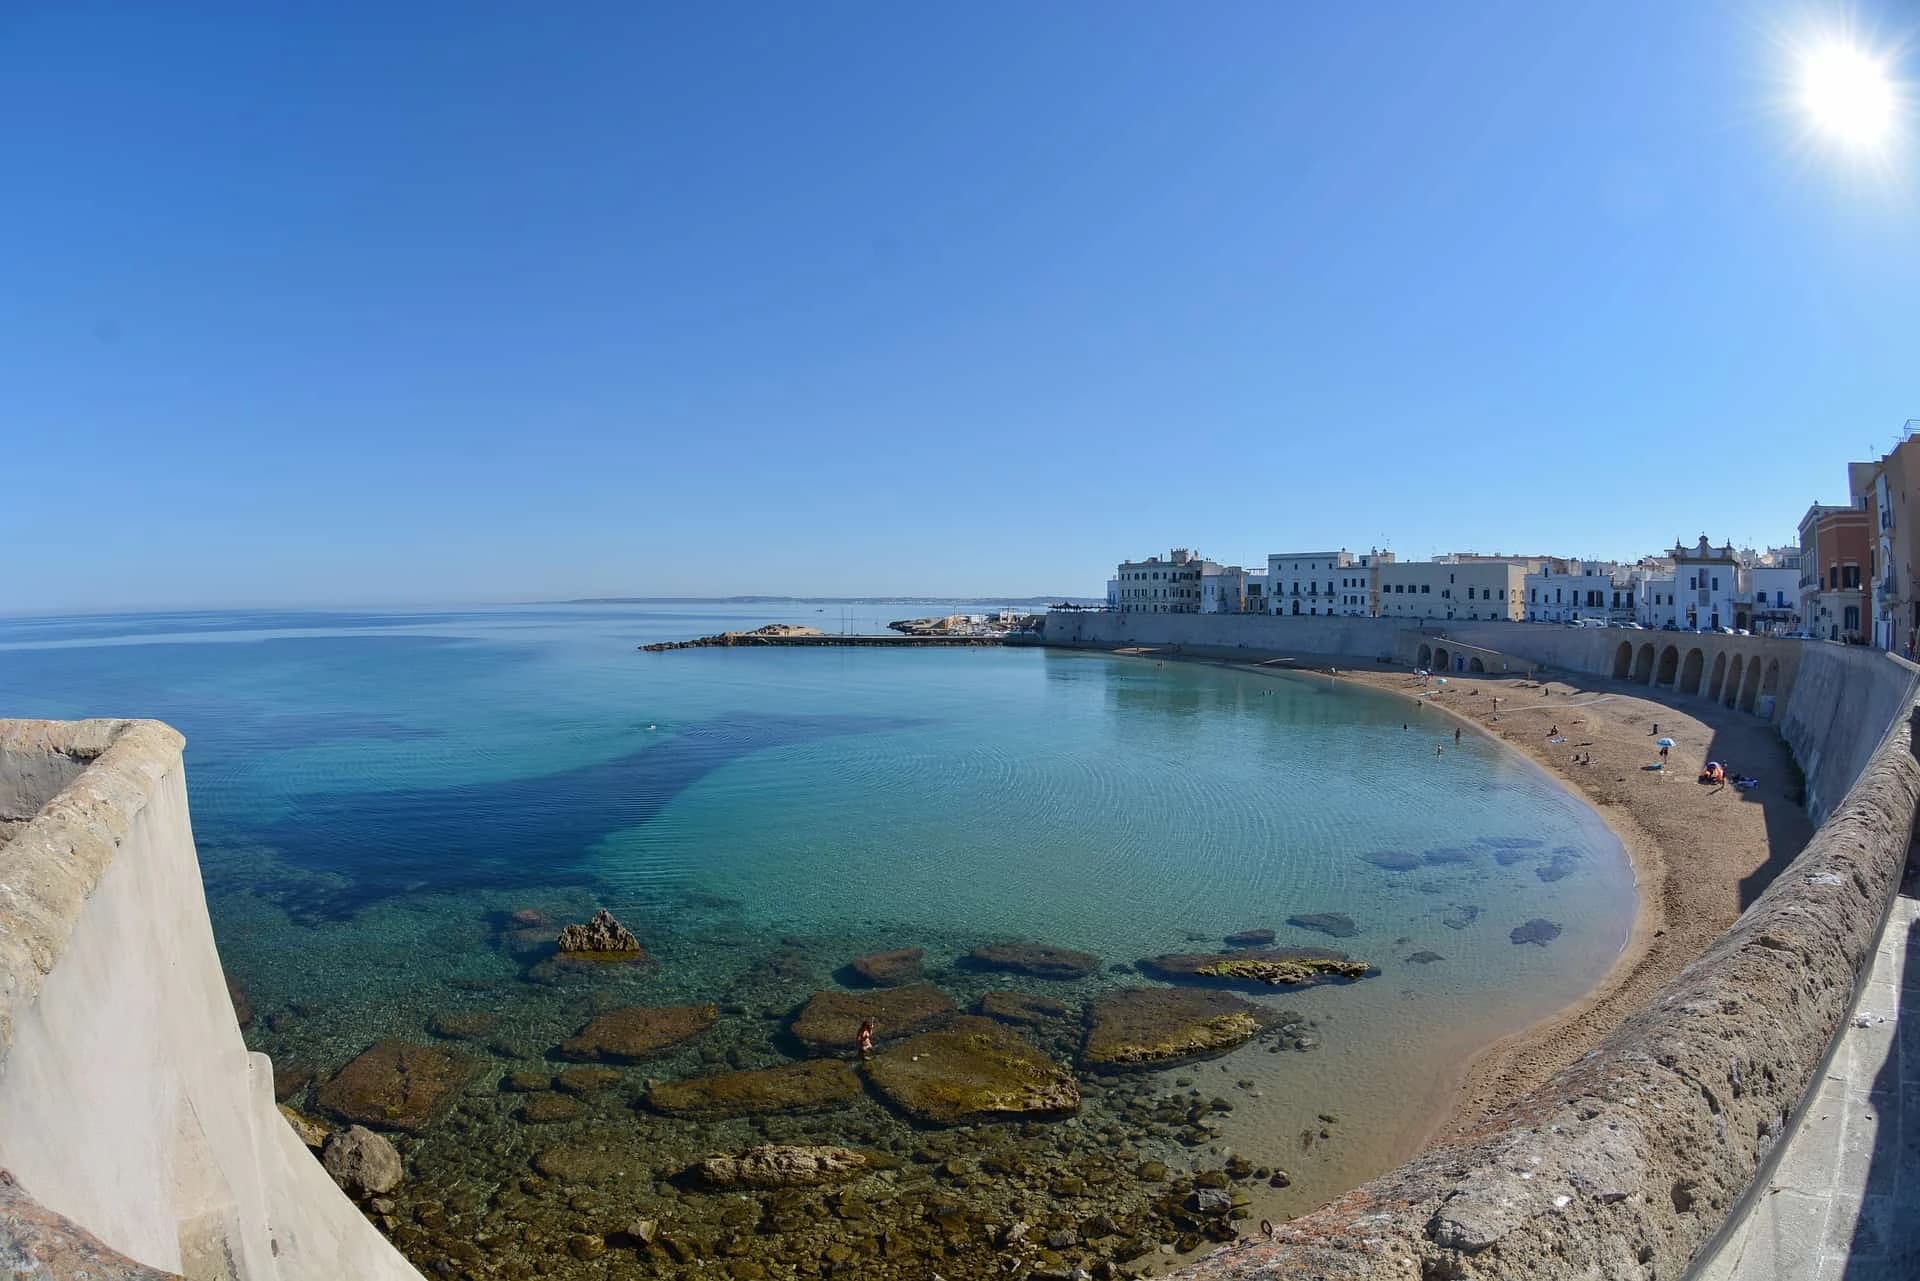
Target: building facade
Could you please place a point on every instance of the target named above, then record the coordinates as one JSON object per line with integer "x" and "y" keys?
{"x": 1156, "y": 586}
{"x": 1567, "y": 591}
{"x": 1317, "y": 584}
{"x": 1443, "y": 589}
{"x": 1706, "y": 585}
{"x": 1230, "y": 589}
{"x": 1835, "y": 570}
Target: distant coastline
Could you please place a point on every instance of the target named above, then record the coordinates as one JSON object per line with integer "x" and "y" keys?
{"x": 824, "y": 600}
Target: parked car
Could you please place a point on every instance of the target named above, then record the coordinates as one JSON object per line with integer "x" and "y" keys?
{"x": 1741, "y": 631}
{"x": 1669, "y": 626}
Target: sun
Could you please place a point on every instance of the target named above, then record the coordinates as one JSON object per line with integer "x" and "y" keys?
{"x": 1848, "y": 94}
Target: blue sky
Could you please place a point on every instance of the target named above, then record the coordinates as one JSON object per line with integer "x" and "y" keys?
{"x": 361, "y": 303}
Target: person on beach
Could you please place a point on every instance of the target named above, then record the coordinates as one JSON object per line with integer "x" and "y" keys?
{"x": 866, "y": 1039}
{"x": 1663, "y": 756}
{"x": 1554, "y": 732}
{"x": 1456, "y": 736}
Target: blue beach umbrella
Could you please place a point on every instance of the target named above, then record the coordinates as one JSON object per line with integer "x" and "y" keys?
{"x": 1664, "y": 742}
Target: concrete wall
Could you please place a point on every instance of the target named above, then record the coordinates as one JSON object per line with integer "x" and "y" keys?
{"x": 1832, "y": 716}
{"x": 128, "y": 1102}
{"x": 1228, "y": 635}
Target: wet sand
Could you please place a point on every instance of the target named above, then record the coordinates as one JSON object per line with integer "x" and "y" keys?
{"x": 1700, "y": 854}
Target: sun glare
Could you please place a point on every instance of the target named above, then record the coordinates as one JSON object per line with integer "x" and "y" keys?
{"x": 1848, "y": 94}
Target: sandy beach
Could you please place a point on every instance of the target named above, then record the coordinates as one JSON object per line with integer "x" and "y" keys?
{"x": 1700, "y": 853}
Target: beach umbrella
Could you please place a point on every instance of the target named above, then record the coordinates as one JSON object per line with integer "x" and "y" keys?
{"x": 1664, "y": 742}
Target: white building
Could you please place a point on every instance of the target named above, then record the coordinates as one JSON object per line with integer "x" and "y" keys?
{"x": 1657, "y": 605}
{"x": 1441, "y": 589}
{"x": 1707, "y": 585}
{"x": 1566, "y": 591}
{"x": 1323, "y": 584}
{"x": 1775, "y": 597}
{"x": 1230, "y": 589}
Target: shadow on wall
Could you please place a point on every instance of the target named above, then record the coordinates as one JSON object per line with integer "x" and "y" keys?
{"x": 1886, "y": 1236}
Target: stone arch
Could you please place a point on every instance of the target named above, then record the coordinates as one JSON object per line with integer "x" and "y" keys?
{"x": 1719, "y": 677}
{"x": 1643, "y": 665}
{"x": 1750, "y": 688}
{"x": 1475, "y": 665}
{"x": 1426, "y": 656}
{"x": 1623, "y": 660}
{"x": 1732, "y": 695}
{"x": 1440, "y": 659}
{"x": 1690, "y": 671}
{"x": 1669, "y": 666}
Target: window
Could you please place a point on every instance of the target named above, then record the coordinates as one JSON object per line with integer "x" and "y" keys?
{"x": 1469, "y": 593}
{"x": 1425, "y": 588}
{"x": 1716, "y": 582}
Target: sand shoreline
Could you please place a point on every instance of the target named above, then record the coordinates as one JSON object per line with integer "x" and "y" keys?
{"x": 1729, "y": 842}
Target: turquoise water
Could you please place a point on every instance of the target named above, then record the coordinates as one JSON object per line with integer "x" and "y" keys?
{"x": 373, "y": 791}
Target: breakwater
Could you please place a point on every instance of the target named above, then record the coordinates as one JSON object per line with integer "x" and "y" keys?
{"x": 732, "y": 640}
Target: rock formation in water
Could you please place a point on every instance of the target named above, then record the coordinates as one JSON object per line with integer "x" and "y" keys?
{"x": 1040, "y": 960}
{"x": 637, "y": 1032}
{"x": 890, "y": 969}
{"x": 363, "y": 1163}
{"x": 396, "y": 1085}
{"x": 817, "y": 1085}
{"x": 972, "y": 1070}
{"x": 1151, "y": 1027}
{"x": 1537, "y": 931}
{"x": 831, "y": 1019}
{"x": 1273, "y": 966}
{"x": 602, "y": 934}
{"x": 775, "y": 1165}
{"x": 1338, "y": 924}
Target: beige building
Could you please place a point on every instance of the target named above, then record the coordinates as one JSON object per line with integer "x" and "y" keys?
{"x": 1156, "y": 586}
{"x": 1465, "y": 589}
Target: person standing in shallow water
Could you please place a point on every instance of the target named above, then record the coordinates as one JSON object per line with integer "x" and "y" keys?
{"x": 866, "y": 1038}
{"x": 1456, "y": 736}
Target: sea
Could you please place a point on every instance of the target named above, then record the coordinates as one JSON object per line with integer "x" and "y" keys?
{"x": 376, "y": 792}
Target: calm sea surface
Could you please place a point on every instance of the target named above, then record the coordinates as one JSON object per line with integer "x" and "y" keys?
{"x": 374, "y": 791}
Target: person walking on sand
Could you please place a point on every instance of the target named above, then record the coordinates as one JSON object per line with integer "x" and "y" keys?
{"x": 1663, "y": 755}
{"x": 866, "y": 1039}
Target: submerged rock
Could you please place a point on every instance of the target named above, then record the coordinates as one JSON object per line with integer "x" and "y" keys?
{"x": 312, "y": 1133}
{"x": 395, "y": 1085}
{"x": 1559, "y": 867}
{"x": 1460, "y": 916}
{"x": 242, "y": 1006}
{"x": 1425, "y": 958}
{"x": 544, "y": 1109}
{"x": 777, "y": 1165}
{"x": 1538, "y": 930}
{"x": 1394, "y": 860}
{"x": 637, "y": 1032}
{"x": 363, "y": 1163}
{"x": 603, "y": 934}
{"x": 462, "y": 1025}
{"x": 1041, "y": 960}
{"x": 816, "y": 1085}
{"x": 1250, "y": 938}
{"x": 1021, "y": 1008}
{"x": 890, "y": 969}
{"x": 1275, "y": 966}
{"x": 582, "y": 1081}
{"x": 831, "y": 1019}
{"x": 591, "y": 1161}
{"x": 1338, "y": 924}
{"x": 1148, "y": 1027}
{"x": 1446, "y": 855}
{"x": 972, "y": 1070}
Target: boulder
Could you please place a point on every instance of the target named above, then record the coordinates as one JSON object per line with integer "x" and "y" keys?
{"x": 817, "y": 1085}
{"x": 545, "y": 1109}
{"x": 1394, "y": 860}
{"x": 777, "y": 1165}
{"x": 1038, "y": 959}
{"x": 1338, "y": 924}
{"x": 396, "y": 1085}
{"x": 1272, "y": 966}
{"x": 1460, "y": 916}
{"x": 890, "y": 969}
{"x": 972, "y": 1070}
{"x": 1021, "y": 1008}
{"x": 1250, "y": 938}
{"x": 1536, "y": 931}
{"x": 831, "y": 1019}
{"x": 1150, "y": 1027}
{"x": 637, "y": 1032}
{"x": 582, "y": 1081}
{"x": 363, "y": 1163}
{"x": 462, "y": 1025}
{"x": 601, "y": 935}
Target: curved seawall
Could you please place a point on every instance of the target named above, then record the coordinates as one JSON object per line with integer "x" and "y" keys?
{"x": 129, "y": 1105}
{"x": 1628, "y": 1163}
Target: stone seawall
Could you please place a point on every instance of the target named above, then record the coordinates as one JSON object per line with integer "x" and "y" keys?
{"x": 129, "y": 1104}
{"x": 1626, "y": 1164}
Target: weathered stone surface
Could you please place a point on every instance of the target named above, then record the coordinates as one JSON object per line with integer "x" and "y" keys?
{"x": 1338, "y": 924}
{"x": 395, "y": 1085}
{"x": 1537, "y": 931}
{"x": 602, "y": 934}
{"x": 1145, "y": 1027}
{"x": 777, "y": 1165}
{"x": 363, "y": 1163}
{"x": 1022, "y": 1008}
{"x": 637, "y": 1032}
{"x": 1250, "y": 938}
{"x": 312, "y": 1133}
{"x": 290, "y": 1080}
{"x": 1271, "y": 966}
{"x": 890, "y": 969}
{"x": 1040, "y": 960}
{"x": 547, "y": 1108}
{"x": 242, "y": 1007}
{"x": 831, "y": 1020}
{"x": 38, "y": 1245}
{"x": 817, "y": 1085}
{"x": 972, "y": 1070}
